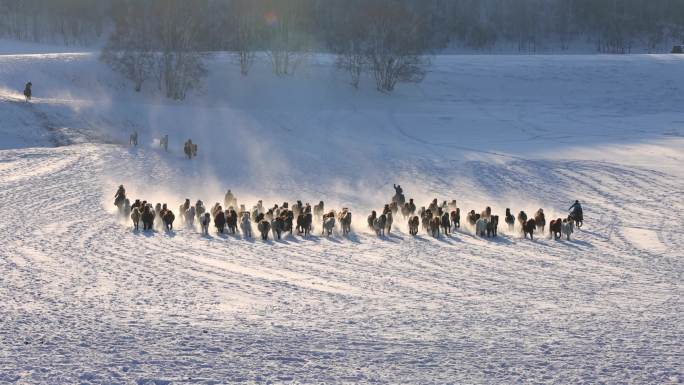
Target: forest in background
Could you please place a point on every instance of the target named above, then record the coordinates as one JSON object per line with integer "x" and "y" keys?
{"x": 612, "y": 26}
{"x": 163, "y": 42}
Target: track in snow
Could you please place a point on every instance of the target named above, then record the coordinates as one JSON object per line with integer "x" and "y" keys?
{"x": 90, "y": 300}
{"x": 87, "y": 300}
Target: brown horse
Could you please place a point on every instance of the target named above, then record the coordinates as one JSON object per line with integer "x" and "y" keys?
{"x": 345, "y": 221}
{"x": 406, "y": 210}
{"x": 413, "y": 223}
{"x": 486, "y": 213}
{"x": 446, "y": 223}
{"x": 522, "y": 218}
{"x": 434, "y": 226}
{"x": 510, "y": 219}
{"x": 168, "y": 219}
{"x": 493, "y": 226}
{"x": 264, "y": 228}
{"x": 528, "y": 228}
{"x": 473, "y": 217}
{"x": 456, "y": 218}
{"x": 135, "y": 217}
{"x": 556, "y": 228}
{"x": 540, "y": 218}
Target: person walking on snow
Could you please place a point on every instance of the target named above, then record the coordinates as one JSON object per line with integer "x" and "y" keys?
{"x": 27, "y": 91}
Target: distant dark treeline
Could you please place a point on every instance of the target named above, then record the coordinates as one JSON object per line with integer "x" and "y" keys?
{"x": 163, "y": 42}
{"x": 613, "y": 26}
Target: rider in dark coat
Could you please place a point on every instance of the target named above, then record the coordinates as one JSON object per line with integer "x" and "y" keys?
{"x": 27, "y": 91}
{"x": 398, "y": 190}
{"x": 398, "y": 195}
{"x": 120, "y": 195}
{"x": 576, "y": 210}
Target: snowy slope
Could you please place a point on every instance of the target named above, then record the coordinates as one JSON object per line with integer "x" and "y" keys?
{"x": 87, "y": 300}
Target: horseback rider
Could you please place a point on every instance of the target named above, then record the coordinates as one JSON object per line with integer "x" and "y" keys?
{"x": 398, "y": 195}
{"x": 120, "y": 195}
{"x": 188, "y": 148}
{"x": 229, "y": 198}
{"x": 27, "y": 91}
{"x": 398, "y": 190}
{"x": 576, "y": 210}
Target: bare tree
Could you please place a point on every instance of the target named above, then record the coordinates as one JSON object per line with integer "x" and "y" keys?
{"x": 129, "y": 50}
{"x": 394, "y": 51}
{"x": 157, "y": 40}
{"x": 288, "y": 44}
{"x": 353, "y": 60}
{"x": 182, "y": 63}
{"x": 350, "y": 42}
{"x": 246, "y": 24}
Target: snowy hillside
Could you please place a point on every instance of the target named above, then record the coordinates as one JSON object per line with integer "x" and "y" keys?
{"x": 88, "y": 300}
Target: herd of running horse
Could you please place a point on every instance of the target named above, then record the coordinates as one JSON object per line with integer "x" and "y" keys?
{"x": 435, "y": 219}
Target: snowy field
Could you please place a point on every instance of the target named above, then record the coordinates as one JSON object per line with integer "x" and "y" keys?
{"x": 85, "y": 299}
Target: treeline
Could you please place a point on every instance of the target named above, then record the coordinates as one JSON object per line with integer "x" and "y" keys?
{"x": 164, "y": 40}
{"x": 612, "y": 25}
{"x": 67, "y": 22}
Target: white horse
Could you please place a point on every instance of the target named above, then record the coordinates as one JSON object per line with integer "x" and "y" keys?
{"x": 135, "y": 217}
{"x": 329, "y": 225}
{"x": 379, "y": 225}
{"x": 246, "y": 225}
{"x": 568, "y": 228}
{"x": 205, "y": 221}
{"x": 481, "y": 227}
{"x": 190, "y": 216}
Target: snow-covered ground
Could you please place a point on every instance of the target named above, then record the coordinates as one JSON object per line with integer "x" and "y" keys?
{"x": 84, "y": 299}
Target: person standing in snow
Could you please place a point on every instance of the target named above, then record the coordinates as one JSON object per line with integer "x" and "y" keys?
{"x": 27, "y": 91}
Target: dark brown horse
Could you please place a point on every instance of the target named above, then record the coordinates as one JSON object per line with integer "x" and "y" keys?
{"x": 540, "y": 218}
{"x": 446, "y": 223}
{"x": 522, "y": 218}
{"x": 528, "y": 228}
{"x": 510, "y": 219}
{"x": 473, "y": 217}
{"x": 456, "y": 218}
{"x": 556, "y": 228}
{"x": 493, "y": 226}
{"x": 264, "y": 228}
{"x": 434, "y": 226}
